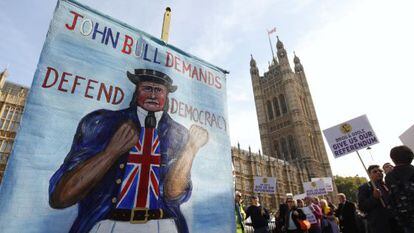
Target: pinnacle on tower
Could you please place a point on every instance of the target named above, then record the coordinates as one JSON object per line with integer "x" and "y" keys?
{"x": 279, "y": 44}
{"x": 254, "y": 71}
{"x": 252, "y": 61}
{"x": 298, "y": 65}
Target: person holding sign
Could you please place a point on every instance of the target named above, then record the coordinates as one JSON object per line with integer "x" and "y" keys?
{"x": 293, "y": 217}
{"x": 313, "y": 214}
{"x": 129, "y": 170}
{"x": 369, "y": 201}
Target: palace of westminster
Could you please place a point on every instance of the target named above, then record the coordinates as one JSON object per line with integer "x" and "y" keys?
{"x": 293, "y": 149}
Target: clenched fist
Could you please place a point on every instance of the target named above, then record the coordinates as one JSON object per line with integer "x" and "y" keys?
{"x": 123, "y": 139}
{"x": 198, "y": 137}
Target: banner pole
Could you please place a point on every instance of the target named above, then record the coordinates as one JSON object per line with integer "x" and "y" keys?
{"x": 371, "y": 181}
{"x": 165, "y": 32}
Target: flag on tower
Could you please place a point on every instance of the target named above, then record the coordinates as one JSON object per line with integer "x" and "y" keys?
{"x": 271, "y": 31}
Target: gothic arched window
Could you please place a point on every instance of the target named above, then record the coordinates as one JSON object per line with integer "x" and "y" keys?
{"x": 276, "y": 106}
{"x": 292, "y": 147}
{"x": 285, "y": 150}
{"x": 269, "y": 110}
{"x": 283, "y": 103}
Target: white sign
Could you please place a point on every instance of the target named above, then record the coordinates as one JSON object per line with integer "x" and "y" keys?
{"x": 264, "y": 184}
{"x": 309, "y": 215}
{"x": 350, "y": 136}
{"x": 407, "y": 138}
{"x": 299, "y": 196}
{"x": 315, "y": 188}
{"x": 327, "y": 181}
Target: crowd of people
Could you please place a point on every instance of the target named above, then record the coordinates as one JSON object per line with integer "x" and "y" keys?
{"x": 384, "y": 206}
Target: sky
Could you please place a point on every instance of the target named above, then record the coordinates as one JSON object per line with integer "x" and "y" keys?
{"x": 356, "y": 55}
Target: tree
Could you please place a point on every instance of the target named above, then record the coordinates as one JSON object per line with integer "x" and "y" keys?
{"x": 349, "y": 186}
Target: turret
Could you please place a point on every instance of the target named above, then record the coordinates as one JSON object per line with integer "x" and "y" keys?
{"x": 3, "y": 76}
{"x": 282, "y": 56}
{"x": 254, "y": 71}
{"x": 298, "y": 65}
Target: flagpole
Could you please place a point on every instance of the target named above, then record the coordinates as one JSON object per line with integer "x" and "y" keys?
{"x": 271, "y": 48}
{"x": 371, "y": 181}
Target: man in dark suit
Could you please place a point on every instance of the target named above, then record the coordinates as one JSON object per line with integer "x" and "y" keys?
{"x": 346, "y": 213}
{"x": 373, "y": 200}
{"x": 129, "y": 170}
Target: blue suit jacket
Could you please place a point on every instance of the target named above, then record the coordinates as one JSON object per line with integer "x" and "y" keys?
{"x": 92, "y": 136}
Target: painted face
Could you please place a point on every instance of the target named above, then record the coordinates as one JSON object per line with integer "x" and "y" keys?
{"x": 151, "y": 96}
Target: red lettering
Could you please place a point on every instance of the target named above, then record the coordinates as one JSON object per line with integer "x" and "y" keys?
{"x": 75, "y": 20}
{"x": 187, "y": 68}
{"x": 173, "y": 104}
{"x": 218, "y": 82}
{"x": 50, "y": 69}
{"x": 170, "y": 57}
{"x": 128, "y": 42}
{"x": 106, "y": 93}
{"x": 203, "y": 75}
{"x": 88, "y": 86}
{"x": 63, "y": 80}
{"x": 75, "y": 83}
{"x": 180, "y": 109}
{"x": 195, "y": 73}
{"x": 177, "y": 63}
{"x": 118, "y": 90}
{"x": 210, "y": 79}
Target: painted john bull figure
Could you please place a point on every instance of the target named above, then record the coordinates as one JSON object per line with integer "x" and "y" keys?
{"x": 129, "y": 170}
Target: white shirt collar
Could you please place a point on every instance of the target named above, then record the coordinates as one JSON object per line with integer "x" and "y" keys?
{"x": 142, "y": 113}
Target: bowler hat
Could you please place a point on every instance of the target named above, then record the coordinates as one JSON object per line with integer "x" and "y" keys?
{"x": 148, "y": 75}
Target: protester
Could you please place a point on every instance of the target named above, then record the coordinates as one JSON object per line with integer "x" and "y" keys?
{"x": 315, "y": 216}
{"x": 387, "y": 167}
{"x": 280, "y": 217}
{"x": 361, "y": 222}
{"x": 369, "y": 201}
{"x": 329, "y": 218}
{"x": 401, "y": 184}
{"x": 259, "y": 216}
{"x": 293, "y": 216}
{"x": 346, "y": 213}
{"x": 239, "y": 212}
{"x": 300, "y": 203}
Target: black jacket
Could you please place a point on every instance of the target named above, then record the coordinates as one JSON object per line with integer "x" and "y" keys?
{"x": 346, "y": 213}
{"x": 378, "y": 217}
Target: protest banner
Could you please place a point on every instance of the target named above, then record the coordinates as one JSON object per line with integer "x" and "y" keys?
{"x": 407, "y": 138}
{"x": 119, "y": 127}
{"x": 314, "y": 188}
{"x": 264, "y": 185}
{"x": 299, "y": 196}
{"x": 309, "y": 215}
{"x": 327, "y": 181}
{"x": 350, "y": 136}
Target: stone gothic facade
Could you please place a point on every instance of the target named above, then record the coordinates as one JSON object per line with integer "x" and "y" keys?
{"x": 291, "y": 139}
{"x": 12, "y": 101}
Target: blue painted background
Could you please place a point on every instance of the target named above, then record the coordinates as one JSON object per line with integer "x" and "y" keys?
{"x": 51, "y": 117}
